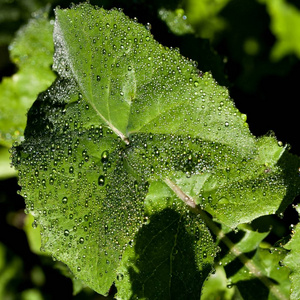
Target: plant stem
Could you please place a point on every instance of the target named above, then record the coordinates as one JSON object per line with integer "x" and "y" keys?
{"x": 250, "y": 265}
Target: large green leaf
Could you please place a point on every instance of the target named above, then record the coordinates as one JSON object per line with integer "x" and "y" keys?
{"x": 128, "y": 134}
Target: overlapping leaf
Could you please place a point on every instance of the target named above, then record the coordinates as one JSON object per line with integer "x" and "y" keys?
{"x": 128, "y": 131}
{"x": 33, "y": 56}
{"x": 271, "y": 282}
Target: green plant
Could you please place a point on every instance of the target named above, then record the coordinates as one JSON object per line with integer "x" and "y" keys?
{"x": 137, "y": 166}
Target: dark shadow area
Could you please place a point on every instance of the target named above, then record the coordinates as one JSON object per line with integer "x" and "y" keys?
{"x": 235, "y": 237}
{"x": 166, "y": 260}
{"x": 262, "y": 88}
{"x": 235, "y": 265}
{"x": 6, "y": 67}
{"x": 253, "y": 289}
{"x": 39, "y": 123}
{"x": 295, "y": 3}
{"x": 17, "y": 250}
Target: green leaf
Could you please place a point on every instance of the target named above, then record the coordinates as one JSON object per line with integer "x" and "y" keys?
{"x": 245, "y": 239}
{"x": 88, "y": 207}
{"x": 176, "y": 21}
{"x": 285, "y": 25}
{"x": 10, "y": 266}
{"x": 270, "y": 264}
{"x": 31, "y": 294}
{"x": 215, "y": 287}
{"x": 6, "y": 170}
{"x": 262, "y": 274}
{"x": 33, "y": 234}
{"x": 232, "y": 186}
{"x": 292, "y": 260}
{"x": 127, "y": 140}
{"x": 204, "y": 16}
{"x": 33, "y": 56}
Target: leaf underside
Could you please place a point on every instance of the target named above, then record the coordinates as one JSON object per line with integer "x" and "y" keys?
{"x": 125, "y": 116}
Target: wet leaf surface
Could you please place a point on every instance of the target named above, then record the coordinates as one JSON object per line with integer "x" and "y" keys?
{"x": 128, "y": 127}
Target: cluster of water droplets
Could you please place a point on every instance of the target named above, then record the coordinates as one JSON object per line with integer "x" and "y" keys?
{"x": 76, "y": 186}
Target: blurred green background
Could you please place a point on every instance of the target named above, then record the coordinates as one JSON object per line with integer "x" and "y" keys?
{"x": 250, "y": 46}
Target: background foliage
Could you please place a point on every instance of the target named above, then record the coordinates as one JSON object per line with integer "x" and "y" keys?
{"x": 252, "y": 47}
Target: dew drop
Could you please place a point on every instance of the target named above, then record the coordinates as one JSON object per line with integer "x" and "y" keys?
{"x": 120, "y": 277}
{"x": 148, "y": 26}
{"x": 223, "y": 200}
{"x": 104, "y": 156}
{"x": 101, "y": 180}
{"x": 34, "y": 224}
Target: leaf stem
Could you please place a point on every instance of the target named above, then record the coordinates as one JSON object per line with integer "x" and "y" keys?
{"x": 250, "y": 265}
{"x": 184, "y": 197}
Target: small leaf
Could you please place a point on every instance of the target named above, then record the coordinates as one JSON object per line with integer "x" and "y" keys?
{"x": 205, "y": 17}
{"x": 260, "y": 272}
{"x": 285, "y": 24}
{"x": 215, "y": 287}
{"x": 270, "y": 263}
{"x": 176, "y": 21}
{"x": 32, "y": 231}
